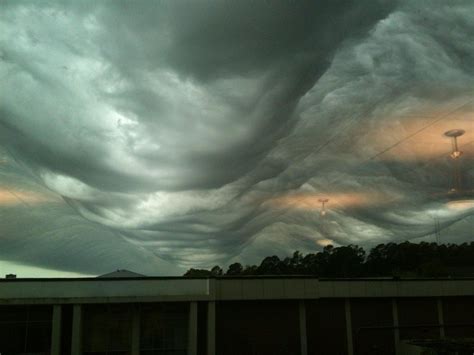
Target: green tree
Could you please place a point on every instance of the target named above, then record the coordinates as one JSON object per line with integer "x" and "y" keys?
{"x": 197, "y": 273}
{"x": 235, "y": 269}
{"x": 217, "y": 271}
{"x": 271, "y": 265}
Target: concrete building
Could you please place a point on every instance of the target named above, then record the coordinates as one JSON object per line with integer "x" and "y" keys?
{"x": 235, "y": 316}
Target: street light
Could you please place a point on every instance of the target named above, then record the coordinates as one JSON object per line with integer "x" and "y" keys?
{"x": 323, "y": 206}
{"x": 454, "y": 134}
{"x": 458, "y": 197}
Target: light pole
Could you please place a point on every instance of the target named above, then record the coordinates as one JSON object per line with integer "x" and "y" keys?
{"x": 323, "y": 206}
{"x": 455, "y": 155}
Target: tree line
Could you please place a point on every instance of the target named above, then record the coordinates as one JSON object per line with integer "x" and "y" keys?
{"x": 385, "y": 260}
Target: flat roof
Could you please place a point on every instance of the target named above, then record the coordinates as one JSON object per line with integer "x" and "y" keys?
{"x": 162, "y": 289}
{"x": 237, "y": 277}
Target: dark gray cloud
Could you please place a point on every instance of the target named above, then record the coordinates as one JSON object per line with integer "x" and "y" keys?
{"x": 203, "y": 132}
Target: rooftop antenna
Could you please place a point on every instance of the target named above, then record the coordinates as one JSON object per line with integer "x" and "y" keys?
{"x": 323, "y": 206}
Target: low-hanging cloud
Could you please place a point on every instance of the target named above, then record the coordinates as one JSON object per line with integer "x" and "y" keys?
{"x": 194, "y": 132}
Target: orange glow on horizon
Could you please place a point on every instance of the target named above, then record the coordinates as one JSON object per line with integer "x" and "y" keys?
{"x": 461, "y": 204}
{"x": 336, "y": 200}
{"x": 14, "y": 197}
{"x": 325, "y": 242}
{"x": 429, "y": 143}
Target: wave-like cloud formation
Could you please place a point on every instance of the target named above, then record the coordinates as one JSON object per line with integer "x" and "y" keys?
{"x": 201, "y": 132}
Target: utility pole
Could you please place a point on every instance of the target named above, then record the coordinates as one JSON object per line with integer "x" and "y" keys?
{"x": 437, "y": 230}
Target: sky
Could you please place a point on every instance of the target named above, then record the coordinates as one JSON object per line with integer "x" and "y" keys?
{"x": 156, "y": 136}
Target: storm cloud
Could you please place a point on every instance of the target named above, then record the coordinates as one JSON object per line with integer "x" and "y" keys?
{"x": 167, "y": 134}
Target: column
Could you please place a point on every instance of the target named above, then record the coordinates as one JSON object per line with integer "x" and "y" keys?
{"x": 136, "y": 330}
{"x": 350, "y": 346}
{"x": 192, "y": 332}
{"x": 76, "y": 339}
{"x": 441, "y": 318}
{"x": 396, "y": 326}
{"x": 303, "y": 333}
{"x": 56, "y": 330}
{"x": 211, "y": 328}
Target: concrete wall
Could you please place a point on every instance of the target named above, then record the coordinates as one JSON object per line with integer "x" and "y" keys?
{"x": 280, "y": 288}
{"x": 323, "y": 316}
{"x": 33, "y": 291}
{"x": 102, "y": 291}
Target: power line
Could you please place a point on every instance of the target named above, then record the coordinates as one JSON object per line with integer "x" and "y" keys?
{"x": 346, "y": 126}
{"x": 11, "y": 192}
{"x": 16, "y": 196}
{"x": 437, "y": 229}
{"x": 442, "y": 117}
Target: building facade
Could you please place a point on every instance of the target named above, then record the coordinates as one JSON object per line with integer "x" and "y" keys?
{"x": 235, "y": 316}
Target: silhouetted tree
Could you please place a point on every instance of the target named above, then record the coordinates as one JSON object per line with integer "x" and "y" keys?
{"x": 235, "y": 269}
{"x": 250, "y": 270}
{"x": 391, "y": 259}
{"x": 313, "y": 264}
{"x": 345, "y": 261}
{"x": 197, "y": 273}
{"x": 217, "y": 271}
{"x": 270, "y": 266}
